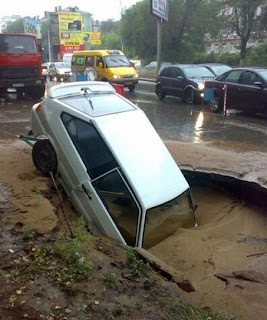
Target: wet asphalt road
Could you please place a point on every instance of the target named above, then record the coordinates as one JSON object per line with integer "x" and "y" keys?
{"x": 172, "y": 119}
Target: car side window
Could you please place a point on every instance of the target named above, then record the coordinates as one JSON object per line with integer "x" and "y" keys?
{"x": 177, "y": 73}
{"x": 73, "y": 60}
{"x": 168, "y": 72}
{"x": 233, "y": 76}
{"x": 89, "y": 62}
{"x": 99, "y": 60}
{"x": 249, "y": 78}
{"x": 92, "y": 149}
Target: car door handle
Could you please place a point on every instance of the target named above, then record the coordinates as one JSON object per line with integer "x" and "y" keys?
{"x": 86, "y": 191}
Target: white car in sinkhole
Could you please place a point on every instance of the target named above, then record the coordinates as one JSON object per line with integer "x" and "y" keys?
{"x": 111, "y": 162}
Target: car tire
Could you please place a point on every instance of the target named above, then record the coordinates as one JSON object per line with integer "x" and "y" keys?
{"x": 216, "y": 104}
{"x": 160, "y": 93}
{"x": 131, "y": 88}
{"x": 44, "y": 157}
{"x": 188, "y": 96}
{"x": 36, "y": 92}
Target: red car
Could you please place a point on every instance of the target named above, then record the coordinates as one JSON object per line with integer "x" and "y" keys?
{"x": 243, "y": 88}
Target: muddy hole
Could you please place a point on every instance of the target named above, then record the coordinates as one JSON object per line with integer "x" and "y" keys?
{"x": 230, "y": 237}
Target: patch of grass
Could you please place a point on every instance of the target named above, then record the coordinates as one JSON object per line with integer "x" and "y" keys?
{"x": 37, "y": 197}
{"x": 180, "y": 310}
{"x": 139, "y": 267}
{"x": 110, "y": 279}
{"x": 63, "y": 263}
{"x": 28, "y": 233}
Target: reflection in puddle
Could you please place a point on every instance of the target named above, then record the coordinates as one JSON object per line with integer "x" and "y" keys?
{"x": 198, "y": 128}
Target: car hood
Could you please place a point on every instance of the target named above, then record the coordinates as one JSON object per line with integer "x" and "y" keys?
{"x": 143, "y": 157}
{"x": 200, "y": 79}
{"x": 63, "y": 70}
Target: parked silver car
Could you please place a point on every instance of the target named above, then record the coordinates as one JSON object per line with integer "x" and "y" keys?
{"x": 60, "y": 71}
{"x": 111, "y": 163}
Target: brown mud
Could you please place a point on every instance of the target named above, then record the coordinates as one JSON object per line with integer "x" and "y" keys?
{"x": 217, "y": 256}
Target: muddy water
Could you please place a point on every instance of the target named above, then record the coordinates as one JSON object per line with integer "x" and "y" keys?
{"x": 229, "y": 230}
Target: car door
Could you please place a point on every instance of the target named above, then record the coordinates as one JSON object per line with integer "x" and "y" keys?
{"x": 232, "y": 89}
{"x": 177, "y": 82}
{"x": 101, "y": 191}
{"x": 251, "y": 95}
{"x": 165, "y": 80}
{"x": 100, "y": 68}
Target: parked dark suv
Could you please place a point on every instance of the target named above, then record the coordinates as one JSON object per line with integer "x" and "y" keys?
{"x": 182, "y": 80}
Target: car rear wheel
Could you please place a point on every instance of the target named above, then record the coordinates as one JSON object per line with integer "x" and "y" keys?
{"x": 36, "y": 92}
{"x": 216, "y": 104}
{"x": 160, "y": 93}
{"x": 44, "y": 157}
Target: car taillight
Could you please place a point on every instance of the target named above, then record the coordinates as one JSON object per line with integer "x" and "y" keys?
{"x": 38, "y": 107}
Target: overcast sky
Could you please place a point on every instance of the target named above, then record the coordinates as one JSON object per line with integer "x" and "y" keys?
{"x": 100, "y": 9}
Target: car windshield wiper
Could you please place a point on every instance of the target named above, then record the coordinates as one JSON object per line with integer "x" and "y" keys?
{"x": 86, "y": 96}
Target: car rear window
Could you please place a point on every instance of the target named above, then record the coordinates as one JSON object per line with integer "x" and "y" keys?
{"x": 17, "y": 45}
{"x": 99, "y": 104}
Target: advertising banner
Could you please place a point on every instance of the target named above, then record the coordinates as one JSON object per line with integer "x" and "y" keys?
{"x": 160, "y": 9}
{"x": 92, "y": 37}
{"x": 70, "y": 32}
{"x": 32, "y": 26}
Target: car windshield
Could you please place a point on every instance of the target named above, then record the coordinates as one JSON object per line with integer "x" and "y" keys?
{"x": 116, "y": 61}
{"x": 99, "y": 104}
{"x": 164, "y": 220}
{"x": 62, "y": 65}
{"x": 197, "y": 72}
{"x": 17, "y": 45}
{"x": 218, "y": 70}
{"x": 263, "y": 73}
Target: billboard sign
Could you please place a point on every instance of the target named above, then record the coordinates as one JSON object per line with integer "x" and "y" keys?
{"x": 32, "y": 26}
{"x": 70, "y": 32}
{"x": 160, "y": 9}
{"x": 92, "y": 37}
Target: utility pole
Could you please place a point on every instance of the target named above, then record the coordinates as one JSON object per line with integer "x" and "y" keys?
{"x": 159, "y": 21}
{"x": 49, "y": 43}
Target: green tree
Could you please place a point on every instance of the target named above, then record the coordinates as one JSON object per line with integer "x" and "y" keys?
{"x": 182, "y": 36}
{"x": 257, "y": 56}
{"x": 244, "y": 18}
{"x": 111, "y": 40}
{"x": 110, "y": 26}
{"x": 15, "y": 27}
{"x": 138, "y": 31}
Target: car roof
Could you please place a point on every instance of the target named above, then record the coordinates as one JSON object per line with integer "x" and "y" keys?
{"x": 212, "y": 64}
{"x": 255, "y": 69}
{"x": 182, "y": 65}
{"x": 72, "y": 88}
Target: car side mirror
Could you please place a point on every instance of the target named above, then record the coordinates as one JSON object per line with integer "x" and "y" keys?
{"x": 179, "y": 78}
{"x": 258, "y": 84}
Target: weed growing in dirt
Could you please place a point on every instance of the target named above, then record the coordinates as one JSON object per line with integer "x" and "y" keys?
{"x": 64, "y": 262}
{"x": 37, "y": 197}
{"x": 28, "y": 233}
{"x": 180, "y": 310}
{"x": 139, "y": 267}
{"x": 110, "y": 279}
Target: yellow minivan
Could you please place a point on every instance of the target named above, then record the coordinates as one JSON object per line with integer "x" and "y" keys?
{"x": 110, "y": 65}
